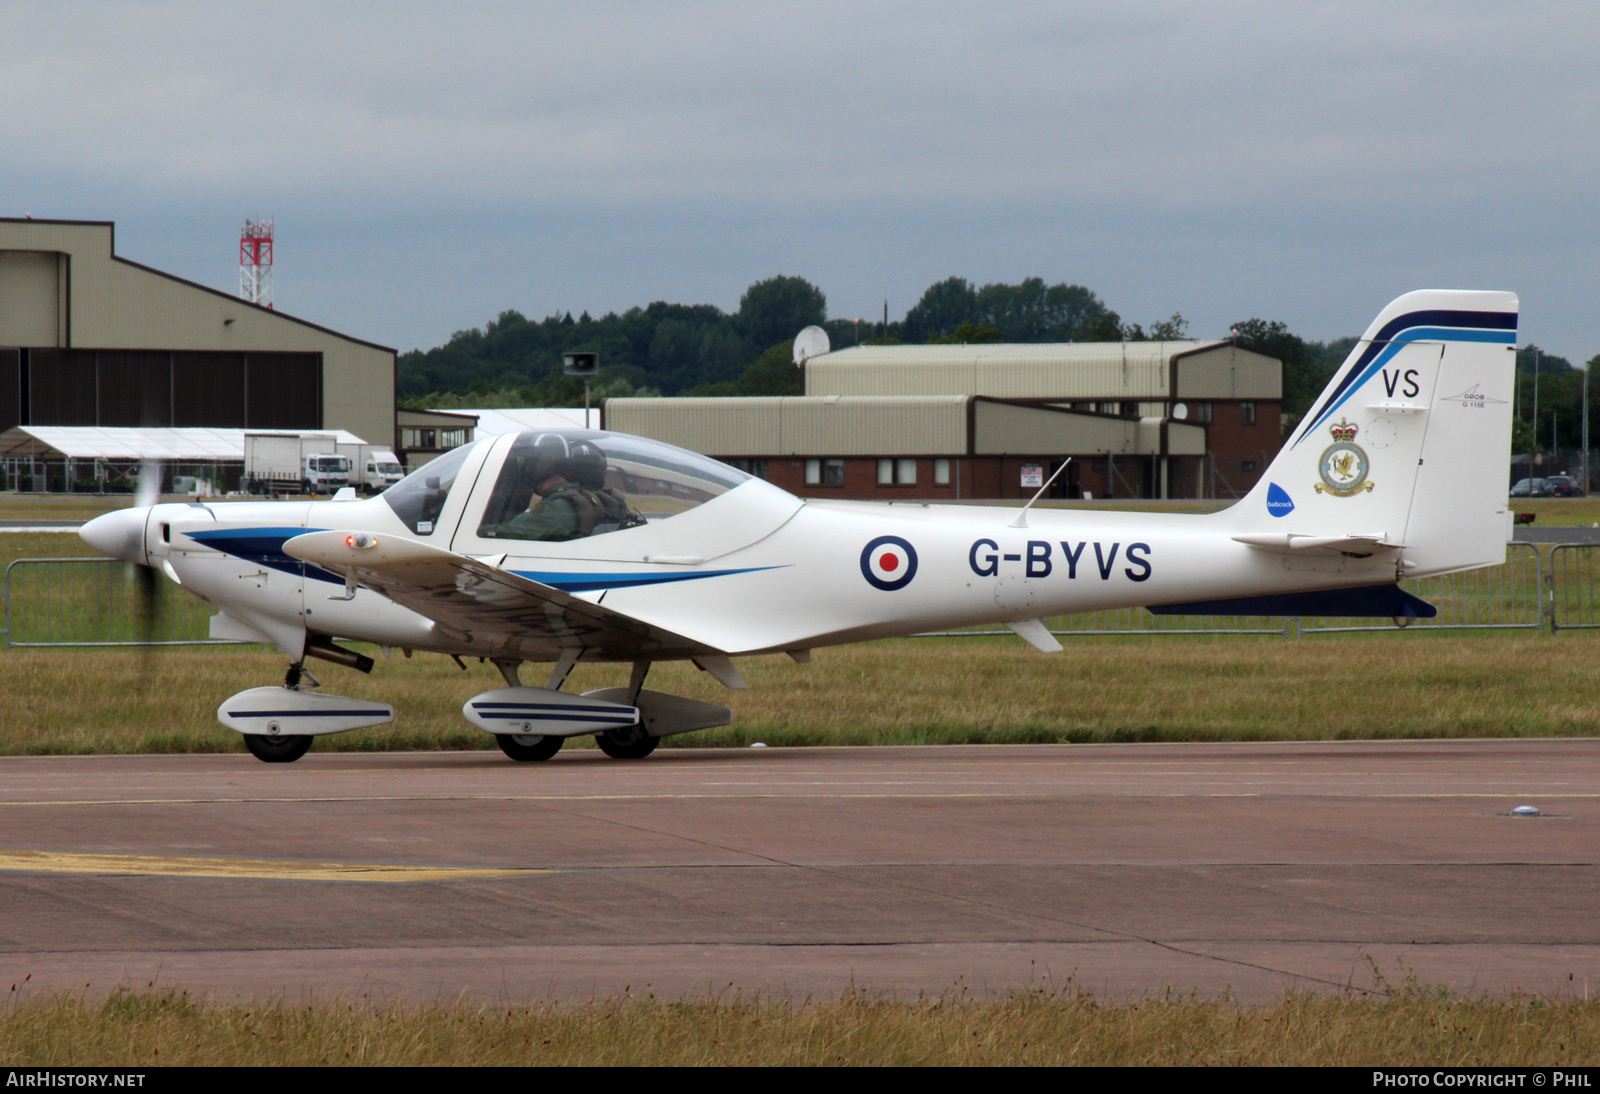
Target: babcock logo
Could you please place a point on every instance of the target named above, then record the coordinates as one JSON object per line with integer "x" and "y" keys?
{"x": 889, "y": 563}
{"x": 1279, "y": 504}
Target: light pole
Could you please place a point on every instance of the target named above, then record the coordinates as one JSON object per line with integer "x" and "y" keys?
{"x": 1585, "y": 430}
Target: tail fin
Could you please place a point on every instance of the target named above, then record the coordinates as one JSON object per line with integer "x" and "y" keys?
{"x": 1410, "y": 438}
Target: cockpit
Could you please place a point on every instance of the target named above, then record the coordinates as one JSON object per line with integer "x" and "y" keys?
{"x": 565, "y": 484}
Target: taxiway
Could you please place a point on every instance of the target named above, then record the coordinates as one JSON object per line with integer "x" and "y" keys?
{"x": 1124, "y": 870}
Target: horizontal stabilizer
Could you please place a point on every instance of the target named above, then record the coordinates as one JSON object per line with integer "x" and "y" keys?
{"x": 1374, "y": 601}
{"x": 1289, "y": 542}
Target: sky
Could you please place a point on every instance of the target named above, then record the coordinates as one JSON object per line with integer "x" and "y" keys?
{"x": 429, "y": 166}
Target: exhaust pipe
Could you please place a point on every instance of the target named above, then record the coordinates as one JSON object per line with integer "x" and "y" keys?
{"x": 324, "y": 650}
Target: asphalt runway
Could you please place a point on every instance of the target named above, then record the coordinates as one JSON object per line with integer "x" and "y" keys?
{"x": 1125, "y": 870}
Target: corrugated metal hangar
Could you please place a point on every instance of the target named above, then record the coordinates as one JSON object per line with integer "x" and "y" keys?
{"x": 1139, "y": 419}
{"x": 91, "y": 339}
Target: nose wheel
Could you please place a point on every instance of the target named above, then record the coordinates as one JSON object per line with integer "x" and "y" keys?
{"x": 277, "y": 750}
{"x": 528, "y": 746}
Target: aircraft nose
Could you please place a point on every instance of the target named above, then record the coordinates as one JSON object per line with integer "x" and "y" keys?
{"x": 118, "y": 534}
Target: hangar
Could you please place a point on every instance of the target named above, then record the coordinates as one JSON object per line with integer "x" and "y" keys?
{"x": 88, "y": 338}
{"x": 1187, "y": 419}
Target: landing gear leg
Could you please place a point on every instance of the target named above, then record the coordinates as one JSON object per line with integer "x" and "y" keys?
{"x": 523, "y": 746}
{"x": 631, "y": 742}
{"x": 282, "y": 748}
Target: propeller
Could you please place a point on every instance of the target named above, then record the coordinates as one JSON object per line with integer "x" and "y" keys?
{"x": 146, "y": 494}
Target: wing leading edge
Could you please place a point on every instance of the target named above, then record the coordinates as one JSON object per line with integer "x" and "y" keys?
{"x": 470, "y": 601}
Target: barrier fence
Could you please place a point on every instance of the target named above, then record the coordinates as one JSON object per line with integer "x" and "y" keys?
{"x": 100, "y": 602}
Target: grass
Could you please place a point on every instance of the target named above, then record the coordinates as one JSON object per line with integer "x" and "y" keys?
{"x": 1420, "y": 1028}
{"x": 914, "y": 691}
{"x": 910, "y": 691}
{"x": 1560, "y": 512}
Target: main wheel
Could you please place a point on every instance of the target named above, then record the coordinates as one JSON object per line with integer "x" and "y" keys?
{"x": 631, "y": 743}
{"x": 277, "y": 750}
{"x": 529, "y": 746}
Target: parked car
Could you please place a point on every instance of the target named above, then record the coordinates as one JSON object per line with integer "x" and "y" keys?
{"x": 1563, "y": 486}
{"x": 1530, "y": 488}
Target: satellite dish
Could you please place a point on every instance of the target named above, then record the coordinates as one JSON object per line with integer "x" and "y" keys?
{"x": 809, "y": 343}
{"x": 1179, "y": 411}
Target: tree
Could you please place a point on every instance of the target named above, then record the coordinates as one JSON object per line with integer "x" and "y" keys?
{"x": 774, "y": 373}
{"x": 1032, "y": 311}
{"x": 1175, "y": 329}
{"x": 1307, "y": 366}
{"x": 969, "y": 334}
{"x": 943, "y": 307}
{"x": 780, "y": 307}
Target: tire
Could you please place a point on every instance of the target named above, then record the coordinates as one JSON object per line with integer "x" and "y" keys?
{"x": 528, "y": 746}
{"x": 277, "y": 750}
{"x": 632, "y": 743}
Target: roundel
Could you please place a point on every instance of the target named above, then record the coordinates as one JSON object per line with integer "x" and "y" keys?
{"x": 889, "y": 563}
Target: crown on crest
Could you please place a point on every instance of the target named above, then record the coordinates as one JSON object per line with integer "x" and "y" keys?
{"x": 1344, "y": 431}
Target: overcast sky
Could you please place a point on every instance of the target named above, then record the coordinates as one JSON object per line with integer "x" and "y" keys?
{"x": 432, "y": 165}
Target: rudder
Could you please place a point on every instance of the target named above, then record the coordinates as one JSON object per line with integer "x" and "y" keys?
{"x": 1409, "y": 439}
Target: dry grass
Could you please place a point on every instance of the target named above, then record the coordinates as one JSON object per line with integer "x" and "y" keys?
{"x": 130, "y": 1030}
{"x": 912, "y": 691}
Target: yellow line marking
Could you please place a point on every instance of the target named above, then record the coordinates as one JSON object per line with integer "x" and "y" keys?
{"x": 84, "y": 862}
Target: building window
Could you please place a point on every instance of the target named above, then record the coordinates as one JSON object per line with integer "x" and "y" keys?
{"x": 941, "y": 472}
{"x": 1130, "y": 410}
{"x": 1247, "y": 465}
{"x": 1106, "y": 408}
{"x": 1202, "y": 413}
{"x": 1247, "y": 413}
{"x": 824, "y": 472}
{"x": 899, "y": 472}
{"x": 755, "y": 468}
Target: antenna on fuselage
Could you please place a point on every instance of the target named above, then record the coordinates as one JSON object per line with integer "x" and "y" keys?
{"x": 1022, "y": 517}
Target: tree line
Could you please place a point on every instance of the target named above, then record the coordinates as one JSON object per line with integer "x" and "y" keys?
{"x": 698, "y": 349}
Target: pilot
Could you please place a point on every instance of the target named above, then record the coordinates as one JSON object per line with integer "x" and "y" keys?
{"x": 573, "y": 500}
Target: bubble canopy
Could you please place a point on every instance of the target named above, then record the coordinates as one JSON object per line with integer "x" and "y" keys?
{"x": 631, "y": 480}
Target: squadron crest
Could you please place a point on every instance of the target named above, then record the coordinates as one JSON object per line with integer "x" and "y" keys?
{"x": 1343, "y": 465}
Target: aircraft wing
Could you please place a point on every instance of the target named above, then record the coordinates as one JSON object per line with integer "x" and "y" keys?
{"x": 468, "y": 600}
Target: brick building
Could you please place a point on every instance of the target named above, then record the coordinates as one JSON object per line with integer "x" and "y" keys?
{"x": 1139, "y": 419}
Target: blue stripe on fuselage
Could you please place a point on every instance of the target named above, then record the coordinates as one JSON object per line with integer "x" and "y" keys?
{"x": 265, "y": 546}
{"x": 587, "y": 583}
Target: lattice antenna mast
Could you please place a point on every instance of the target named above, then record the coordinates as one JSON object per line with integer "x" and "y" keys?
{"x": 255, "y": 262}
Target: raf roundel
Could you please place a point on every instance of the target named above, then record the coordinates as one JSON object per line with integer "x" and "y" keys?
{"x": 889, "y": 563}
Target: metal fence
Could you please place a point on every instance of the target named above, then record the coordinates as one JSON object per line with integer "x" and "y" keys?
{"x": 1574, "y": 598}
{"x": 99, "y": 602}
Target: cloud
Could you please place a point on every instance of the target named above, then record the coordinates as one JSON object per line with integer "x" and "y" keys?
{"x": 1305, "y": 124}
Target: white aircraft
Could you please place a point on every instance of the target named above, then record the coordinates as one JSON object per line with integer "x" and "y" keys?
{"x": 1396, "y": 472}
